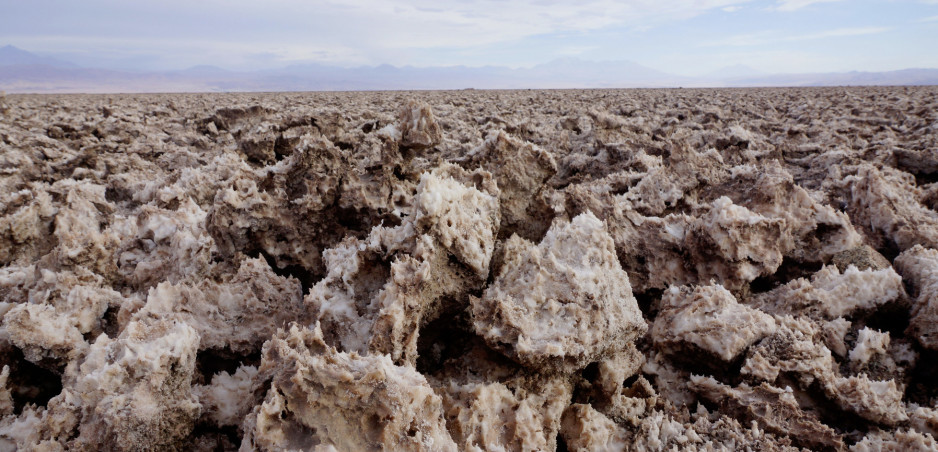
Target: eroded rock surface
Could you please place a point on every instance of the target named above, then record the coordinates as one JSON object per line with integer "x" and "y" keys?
{"x": 509, "y": 270}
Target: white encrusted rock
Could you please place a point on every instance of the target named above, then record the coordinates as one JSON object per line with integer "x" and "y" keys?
{"x": 229, "y": 397}
{"x": 560, "y": 304}
{"x": 238, "y": 314}
{"x": 709, "y": 318}
{"x": 134, "y": 392}
{"x": 869, "y": 343}
{"x": 585, "y": 429}
{"x": 831, "y": 294}
{"x": 462, "y": 218}
{"x": 350, "y": 401}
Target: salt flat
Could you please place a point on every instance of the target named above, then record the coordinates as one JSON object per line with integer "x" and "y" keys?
{"x": 451, "y": 270}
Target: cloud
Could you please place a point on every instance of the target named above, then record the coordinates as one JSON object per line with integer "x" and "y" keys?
{"x": 839, "y": 32}
{"x": 376, "y": 29}
{"x": 772, "y": 37}
{"x": 574, "y": 50}
{"x": 731, "y": 9}
{"x": 794, "y": 5}
{"x": 928, "y": 19}
{"x": 454, "y": 23}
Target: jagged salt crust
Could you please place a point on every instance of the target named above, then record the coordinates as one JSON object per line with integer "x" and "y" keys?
{"x": 642, "y": 270}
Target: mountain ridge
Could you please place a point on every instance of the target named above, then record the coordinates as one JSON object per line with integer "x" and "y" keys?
{"x": 25, "y": 72}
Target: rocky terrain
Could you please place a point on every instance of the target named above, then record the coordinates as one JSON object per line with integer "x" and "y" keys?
{"x": 470, "y": 270}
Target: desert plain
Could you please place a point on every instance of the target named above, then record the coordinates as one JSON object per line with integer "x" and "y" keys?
{"x": 581, "y": 270}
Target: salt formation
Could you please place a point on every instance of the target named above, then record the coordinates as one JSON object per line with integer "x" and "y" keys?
{"x": 561, "y": 304}
{"x": 708, "y": 319}
{"x": 509, "y": 270}
{"x": 831, "y": 294}
{"x": 920, "y": 267}
{"x": 321, "y": 396}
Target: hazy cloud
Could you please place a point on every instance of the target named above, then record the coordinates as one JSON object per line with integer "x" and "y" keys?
{"x": 242, "y": 34}
{"x": 769, "y": 37}
{"x": 793, "y": 5}
{"x": 351, "y": 32}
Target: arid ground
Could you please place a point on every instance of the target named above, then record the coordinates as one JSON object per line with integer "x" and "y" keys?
{"x": 470, "y": 270}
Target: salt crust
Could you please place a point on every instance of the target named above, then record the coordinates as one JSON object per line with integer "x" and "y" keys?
{"x": 321, "y": 396}
{"x": 830, "y": 294}
{"x": 145, "y": 240}
{"x": 919, "y": 266}
{"x": 562, "y": 303}
{"x": 709, "y": 318}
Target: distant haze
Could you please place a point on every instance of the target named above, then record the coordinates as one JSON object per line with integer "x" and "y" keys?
{"x": 689, "y": 41}
{"x": 22, "y": 72}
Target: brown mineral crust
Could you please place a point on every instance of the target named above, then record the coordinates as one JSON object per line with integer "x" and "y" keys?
{"x": 560, "y": 304}
{"x": 73, "y": 300}
{"x": 796, "y": 349}
{"x": 295, "y": 208}
{"x": 776, "y": 410}
{"x": 129, "y": 393}
{"x": 521, "y": 170}
{"x": 920, "y": 162}
{"x": 669, "y": 429}
{"x": 418, "y": 127}
{"x": 818, "y": 231}
{"x": 41, "y": 332}
{"x": 877, "y": 401}
{"x": 495, "y": 416}
{"x": 421, "y": 288}
{"x": 462, "y": 217}
{"x": 290, "y": 218}
{"x": 886, "y": 202}
{"x": 319, "y": 395}
{"x": 750, "y": 244}
{"x": 229, "y": 397}
{"x": 923, "y": 419}
{"x": 585, "y": 429}
{"x": 164, "y": 245}
{"x": 25, "y": 228}
{"x": 491, "y": 402}
{"x": 121, "y": 412}
{"x": 718, "y": 239}
{"x": 6, "y": 398}
{"x": 919, "y": 267}
{"x": 793, "y": 348}
{"x": 608, "y": 389}
{"x": 863, "y": 257}
{"x": 369, "y": 302}
{"x": 670, "y": 380}
{"x": 898, "y": 441}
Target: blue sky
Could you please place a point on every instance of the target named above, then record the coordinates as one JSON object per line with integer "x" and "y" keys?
{"x": 686, "y": 37}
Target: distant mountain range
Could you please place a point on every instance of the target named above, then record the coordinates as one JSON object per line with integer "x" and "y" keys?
{"x": 25, "y": 72}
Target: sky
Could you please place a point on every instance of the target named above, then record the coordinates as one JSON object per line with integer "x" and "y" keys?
{"x": 683, "y": 37}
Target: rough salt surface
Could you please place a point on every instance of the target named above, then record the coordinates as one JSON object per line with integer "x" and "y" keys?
{"x": 709, "y": 318}
{"x": 562, "y": 303}
{"x": 509, "y": 270}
